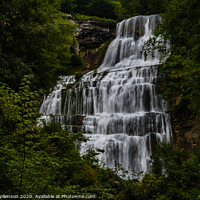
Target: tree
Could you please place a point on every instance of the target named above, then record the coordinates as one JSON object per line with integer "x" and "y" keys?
{"x": 68, "y": 6}
{"x": 130, "y": 8}
{"x": 179, "y": 173}
{"x": 182, "y": 67}
{"x": 35, "y": 38}
{"x": 100, "y": 8}
{"x": 17, "y": 128}
{"x": 37, "y": 160}
{"x": 156, "y": 6}
{"x": 105, "y": 9}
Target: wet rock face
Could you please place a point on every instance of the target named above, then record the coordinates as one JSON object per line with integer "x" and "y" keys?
{"x": 92, "y": 34}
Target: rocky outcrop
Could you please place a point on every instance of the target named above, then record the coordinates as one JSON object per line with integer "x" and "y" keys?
{"x": 92, "y": 34}
{"x": 93, "y": 37}
{"x": 94, "y": 57}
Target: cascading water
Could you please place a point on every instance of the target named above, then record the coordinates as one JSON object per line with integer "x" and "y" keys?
{"x": 119, "y": 105}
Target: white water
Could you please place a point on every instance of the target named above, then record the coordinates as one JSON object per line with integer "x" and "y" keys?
{"x": 120, "y": 105}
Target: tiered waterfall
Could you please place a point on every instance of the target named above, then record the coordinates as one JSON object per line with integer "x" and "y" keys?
{"x": 118, "y": 105}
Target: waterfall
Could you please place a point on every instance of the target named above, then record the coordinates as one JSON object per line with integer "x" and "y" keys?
{"x": 118, "y": 105}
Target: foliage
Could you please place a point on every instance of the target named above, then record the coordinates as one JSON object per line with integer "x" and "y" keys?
{"x": 180, "y": 175}
{"x": 68, "y": 6}
{"x": 109, "y": 9}
{"x": 175, "y": 176}
{"x": 84, "y": 17}
{"x": 156, "y": 6}
{"x": 131, "y": 8}
{"x": 106, "y": 9}
{"x": 182, "y": 66}
{"x": 113, "y": 9}
{"x": 45, "y": 159}
{"x": 100, "y": 8}
{"x": 17, "y": 129}
{"x": 35, "y": 38}
{"x": 180, "y": 63}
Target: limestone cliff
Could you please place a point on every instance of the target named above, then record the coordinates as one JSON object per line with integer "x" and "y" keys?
{"x": 92, "y": 36}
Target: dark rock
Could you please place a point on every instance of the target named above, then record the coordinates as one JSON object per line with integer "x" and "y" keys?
{"x": 92, "y": 34}
{"x": 76, "y": 128}
{"x": 93, "y": 37}
{"x": 80, "y": 119}
{"x": 94, "y": 57}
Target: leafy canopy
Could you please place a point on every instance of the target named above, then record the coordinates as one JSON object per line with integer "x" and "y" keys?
{"x": 35, "y": 39}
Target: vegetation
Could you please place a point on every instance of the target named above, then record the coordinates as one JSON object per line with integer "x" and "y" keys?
{"x": 113, "y": 9}
{"x": 181, "y": 63}
{"x": 174, "y": 176}
{"x": 85, "y": 17}
{"x": 35, "y": 39}
{"x": 182, "y": 67}
{"x": 37, "y": 44}
{"x": 100, "y": 8}
{"x": 37, "y": 160}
